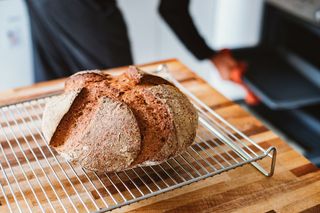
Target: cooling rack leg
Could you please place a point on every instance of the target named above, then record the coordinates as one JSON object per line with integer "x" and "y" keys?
{"x": 272, "y": 150}
{"x": 272, "y": 153}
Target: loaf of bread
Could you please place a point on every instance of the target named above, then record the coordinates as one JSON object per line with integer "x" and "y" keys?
{"x": 111, "y": 123}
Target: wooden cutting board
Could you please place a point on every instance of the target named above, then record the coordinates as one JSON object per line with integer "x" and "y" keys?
{"x": 295, "y": 186}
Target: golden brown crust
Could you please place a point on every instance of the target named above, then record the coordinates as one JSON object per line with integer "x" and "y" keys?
{"x": 154, "y": 121}
{"x": 150, "y": 119}
{"x": 112, "y": 141}
{"x": 184, "y": 118}
{"x": 55, "y": 109}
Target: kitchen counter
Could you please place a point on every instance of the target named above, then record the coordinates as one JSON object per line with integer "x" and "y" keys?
{"x": 294, "y": 187}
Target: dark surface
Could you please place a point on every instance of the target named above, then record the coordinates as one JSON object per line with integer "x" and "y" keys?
{"x": 279, "y": 84}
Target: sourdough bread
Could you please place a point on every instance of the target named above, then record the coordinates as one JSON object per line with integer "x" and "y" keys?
{"x": 112, "y": 123}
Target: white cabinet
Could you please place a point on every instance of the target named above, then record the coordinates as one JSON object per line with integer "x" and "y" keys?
{"x": 236, "y": 23}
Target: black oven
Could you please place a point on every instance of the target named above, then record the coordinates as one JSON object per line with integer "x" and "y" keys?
{"x": 284, "y": 71}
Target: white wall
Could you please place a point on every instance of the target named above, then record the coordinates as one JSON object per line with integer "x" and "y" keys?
{"x": 15, "y": 45}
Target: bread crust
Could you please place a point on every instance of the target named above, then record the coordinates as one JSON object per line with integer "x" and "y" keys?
{"x": 112, "y": 123}
{"x": 111, "y": 141}
{"x": 184, "y": 118}
{"x": 54, "y": 111}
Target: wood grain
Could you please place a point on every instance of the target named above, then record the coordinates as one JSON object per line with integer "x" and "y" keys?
{"x": 295, "y": 186}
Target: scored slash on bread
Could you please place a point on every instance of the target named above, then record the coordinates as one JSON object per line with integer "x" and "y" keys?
{"x": 112, "y": 123}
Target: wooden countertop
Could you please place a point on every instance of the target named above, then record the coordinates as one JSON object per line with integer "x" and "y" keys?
{"x": 294, "y": 187}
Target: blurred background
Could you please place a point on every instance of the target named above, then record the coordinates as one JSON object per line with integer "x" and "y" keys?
{"x": 223, "y": 23}
{"x": 279, "y": 40}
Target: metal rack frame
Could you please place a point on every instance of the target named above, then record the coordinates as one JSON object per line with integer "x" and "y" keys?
{"x": 34, "y": 177}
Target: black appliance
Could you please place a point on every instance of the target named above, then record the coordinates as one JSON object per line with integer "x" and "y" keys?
{"x": 284, "y": 71}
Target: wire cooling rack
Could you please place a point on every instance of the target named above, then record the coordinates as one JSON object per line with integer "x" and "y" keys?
{"x": 34, "y": 177}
